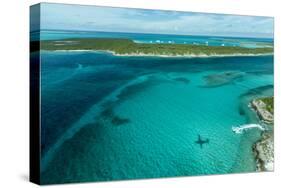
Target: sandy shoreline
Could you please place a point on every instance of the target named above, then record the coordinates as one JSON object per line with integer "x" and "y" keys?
{"x": 167, "y": 56}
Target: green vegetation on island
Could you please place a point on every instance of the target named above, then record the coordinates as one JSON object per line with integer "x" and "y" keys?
{"x": 269, "y": 103}
{"x": 129, "y": 47}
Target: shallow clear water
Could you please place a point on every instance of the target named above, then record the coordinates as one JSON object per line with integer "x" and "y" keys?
{"x": 109, "y": 118}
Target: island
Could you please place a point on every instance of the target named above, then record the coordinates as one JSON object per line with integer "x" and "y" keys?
{"x": 264, "y": 108}
{"x": 127, "y": 47}
{"x": 264, "y": 148}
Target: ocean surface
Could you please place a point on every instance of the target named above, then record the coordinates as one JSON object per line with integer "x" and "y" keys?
{"x": 106, "y": 117}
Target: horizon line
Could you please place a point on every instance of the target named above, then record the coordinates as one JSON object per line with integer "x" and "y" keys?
{"x": 203, "y": 35}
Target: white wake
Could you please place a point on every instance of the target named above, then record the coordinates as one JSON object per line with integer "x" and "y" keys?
{"x": 242, "y": 128}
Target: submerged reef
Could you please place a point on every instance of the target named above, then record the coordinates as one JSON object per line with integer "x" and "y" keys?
{"x": 216, "y": 80}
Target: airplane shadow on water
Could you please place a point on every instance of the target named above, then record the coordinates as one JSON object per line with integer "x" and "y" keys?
{"x": 201, "y": 141}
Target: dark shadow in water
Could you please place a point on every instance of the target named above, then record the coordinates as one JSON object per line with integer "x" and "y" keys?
{"x": 109, "y": 115}
{"x": 116, "y": 120}
{"x": 261, "y": 72}
{"x": 108, "y": 112}
{"x": 241, "y": 111}
{"x": 220, "y": 79}
{"x": 258, "y": 90}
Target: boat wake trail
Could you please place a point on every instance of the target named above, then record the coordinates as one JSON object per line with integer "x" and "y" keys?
{"x": 242, "y": 128}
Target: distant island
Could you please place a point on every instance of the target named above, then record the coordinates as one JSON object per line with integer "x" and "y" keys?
{"x": 127, "y": 47}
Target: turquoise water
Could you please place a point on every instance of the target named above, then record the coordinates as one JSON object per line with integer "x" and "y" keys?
{"x": 111, "y": 118}
{"x": 157, "y": 38}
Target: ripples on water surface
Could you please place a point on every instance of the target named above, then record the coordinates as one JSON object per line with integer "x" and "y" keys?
{"x": 110, "y": 118}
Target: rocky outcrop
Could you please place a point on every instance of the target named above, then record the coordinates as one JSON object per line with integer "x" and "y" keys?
{"x": 261, "y": 108}
{"x": 264, "y": 152}
{"x": 264, "y": 148}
